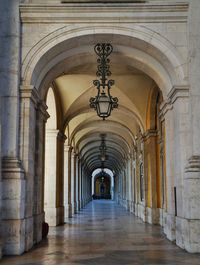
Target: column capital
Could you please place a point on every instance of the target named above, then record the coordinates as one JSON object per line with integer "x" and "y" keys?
{"x": 67, "y": 148}
{"x": 150, "y": 133}
{"x": 74, "y": 155}
{"x": 29, "y": 92}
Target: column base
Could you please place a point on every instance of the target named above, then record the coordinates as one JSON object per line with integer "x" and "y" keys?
{"x": 169, "y": 227}
{"x": 13, "y": 207}
{"x": 54, "y": 216}
{"x": 132, "y": 207}
{"x": 141, "y": 212}
{"x": 128, "y": 205}
{"x": 13, "y": 233}
{"x": 188, "y": 234}
{"x": 72, "y": 208}
{"x": 68, "y": 212}
{"x": 75, "y": 208}
{"x": 152, "y": 215}
{"x": 161, "y": 217}
{"x": 38, "y": 221}
{"x": 29, "y": 241}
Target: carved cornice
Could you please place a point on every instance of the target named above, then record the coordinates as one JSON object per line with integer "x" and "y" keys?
{"x": 176, "y": 92}
{"x": 150, "y": 133}
{"x": 90, "y": 12}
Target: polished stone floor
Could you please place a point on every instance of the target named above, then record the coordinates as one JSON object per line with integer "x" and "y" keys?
{"x": 105, "y": 234}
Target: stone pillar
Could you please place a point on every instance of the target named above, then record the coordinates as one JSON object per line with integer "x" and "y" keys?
{"x": 13, "y": 181}
{"x": 191, "y": 183}
{"x": 150, "y": 172}
{"x": 169, "y": 223}
{"x": 79, "y": 183}
{"x": 41, "y": 118}
{"x": 133, "y": 183}
{"x": 13, "y": 207}
{"x": 73, "y": 182}
{"x": 120, "y": 187}
{"x": 67, "y": 182}
{"x": 29, "y": 104}
{"x": 53, "y": 211}
{"x": 127, "y": 176}
{"x": 177, "y": 141}
{"x": 9, "y": 78}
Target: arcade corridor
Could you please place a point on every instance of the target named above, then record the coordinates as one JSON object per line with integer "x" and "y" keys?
{"x": 104, "y": 233}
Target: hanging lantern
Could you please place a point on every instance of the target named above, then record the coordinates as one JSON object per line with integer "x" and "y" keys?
{"x": 103, "y": 103}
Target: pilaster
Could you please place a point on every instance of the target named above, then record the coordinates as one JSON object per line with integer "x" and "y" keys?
{"x": 67, "y": 182}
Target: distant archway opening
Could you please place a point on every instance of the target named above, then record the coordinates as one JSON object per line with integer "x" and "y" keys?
{"x": 102, "y": 184}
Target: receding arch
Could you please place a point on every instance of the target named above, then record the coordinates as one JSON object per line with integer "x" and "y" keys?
{"x": 138, "y": 35}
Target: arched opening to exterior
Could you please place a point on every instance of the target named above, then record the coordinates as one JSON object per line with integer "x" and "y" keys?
{"x": 102, "y": 184}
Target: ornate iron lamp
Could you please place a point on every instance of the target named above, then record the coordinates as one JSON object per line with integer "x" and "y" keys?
{"x": 102, "y": 148}
{"x": 103, "y": 103}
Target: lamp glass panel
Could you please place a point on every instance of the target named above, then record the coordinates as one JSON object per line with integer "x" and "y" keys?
{"x": 103, "y": 105}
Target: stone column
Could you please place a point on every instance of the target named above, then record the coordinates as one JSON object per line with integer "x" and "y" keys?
{"x": 38, "y": 211}
{"x": 52, "y": 211}
{"x": 29, "y": 105}
{"x": 13, "y": 181}
{"x": 76, "y": 183}
{"x": 169, "y": 225}
{"x": 79, "y": 183}
{"x": 9, "y": 78}
{"x": 120, "y": 188}
{"x": 191, "y": 183}
{"x": 177, "y": 142}
{"x": 129, "y": 182}
{"x": 73, "y": 182}
{"x": 133, "y": 181}
{"x": 150, "y": 172}
{"x": 67, "y": 182}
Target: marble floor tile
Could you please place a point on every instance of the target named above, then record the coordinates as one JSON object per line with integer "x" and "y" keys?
{"x": 105, "y": 234}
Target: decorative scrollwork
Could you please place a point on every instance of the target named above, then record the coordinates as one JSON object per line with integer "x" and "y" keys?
{"x": 103, "y": 103}
{"x": 103, "y": 50}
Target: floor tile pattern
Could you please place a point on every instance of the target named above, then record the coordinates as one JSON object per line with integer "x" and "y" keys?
{"x": 105, "y": 234}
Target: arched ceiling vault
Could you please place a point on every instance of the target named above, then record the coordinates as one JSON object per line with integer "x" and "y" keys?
{"x": 112, "y": 144}
{"x": 72, "y": 72}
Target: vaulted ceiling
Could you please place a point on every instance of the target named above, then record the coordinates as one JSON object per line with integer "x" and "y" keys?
{"x": 83, "y": 128}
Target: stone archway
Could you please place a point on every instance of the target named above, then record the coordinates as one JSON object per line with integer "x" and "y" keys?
{"x": 37, "y": 74}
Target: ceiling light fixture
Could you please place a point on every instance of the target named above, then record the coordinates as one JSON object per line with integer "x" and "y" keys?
{"x": 103, "y": 103}
{"x": 102, "y": 148}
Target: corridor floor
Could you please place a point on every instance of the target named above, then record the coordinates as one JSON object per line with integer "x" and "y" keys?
{"x": 105, "y": 234}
